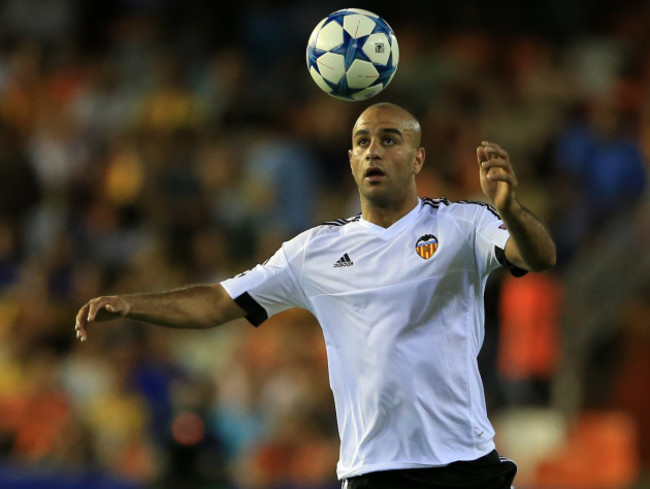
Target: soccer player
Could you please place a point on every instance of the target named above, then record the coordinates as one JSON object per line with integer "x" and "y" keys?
{"x": 398, "y": 291}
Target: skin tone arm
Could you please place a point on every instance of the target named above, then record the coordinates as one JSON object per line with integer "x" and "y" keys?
{"x": 205, "y": 306}
{"x": 530, "y": 246}
{"x": 192, "y": 307}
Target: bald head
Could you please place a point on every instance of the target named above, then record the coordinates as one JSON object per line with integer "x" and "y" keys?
{"x": 392, "y": 115}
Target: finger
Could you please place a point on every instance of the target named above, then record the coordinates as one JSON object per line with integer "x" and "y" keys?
{"x": 82, "y": 335}
{"x": 80, "y": 323}
{"x": 94, "y": 306}
{"x": 499, "y": 175}
{"x": 81, "y": 318}
{"x": 80, "y": 332}
{"x": 493, "y": 149}
{"x": 481, "y": 155}
{"x": 497, "y": 163}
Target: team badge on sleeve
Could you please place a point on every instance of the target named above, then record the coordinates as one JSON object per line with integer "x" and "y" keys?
{"x": 426, "y": 246}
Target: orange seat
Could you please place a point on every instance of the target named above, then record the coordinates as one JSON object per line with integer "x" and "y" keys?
{"x": 601, "y": 453}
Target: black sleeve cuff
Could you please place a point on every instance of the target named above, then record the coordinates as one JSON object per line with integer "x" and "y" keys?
{"x": 255, "y": 314}
{"x": 501, "y": 256}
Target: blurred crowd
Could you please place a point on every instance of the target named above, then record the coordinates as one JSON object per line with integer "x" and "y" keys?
{"x": 147, "y": 144}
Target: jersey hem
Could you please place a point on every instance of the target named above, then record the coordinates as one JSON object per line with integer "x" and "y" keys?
{"x": 480, "y": 451}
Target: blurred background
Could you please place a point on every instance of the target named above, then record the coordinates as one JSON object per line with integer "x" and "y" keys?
{"x": 147, "y": 144}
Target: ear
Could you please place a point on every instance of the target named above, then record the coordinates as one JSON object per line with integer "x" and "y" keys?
{"x": 350, "y": 158}
{"x": 418, "y": 160}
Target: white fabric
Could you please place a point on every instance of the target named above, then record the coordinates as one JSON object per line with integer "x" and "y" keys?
{"x": 402, "y": 332}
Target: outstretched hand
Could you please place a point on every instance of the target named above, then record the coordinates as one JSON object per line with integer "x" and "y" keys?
{"x": 498, "y": 179}
{"x": 99, "y": 309}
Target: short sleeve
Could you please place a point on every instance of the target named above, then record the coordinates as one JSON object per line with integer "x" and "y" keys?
{"x": 271, "y": 287}
{"x": 491, "y": 238}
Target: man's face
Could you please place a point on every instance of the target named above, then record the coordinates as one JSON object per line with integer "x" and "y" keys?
{"x": 385, "y": 155}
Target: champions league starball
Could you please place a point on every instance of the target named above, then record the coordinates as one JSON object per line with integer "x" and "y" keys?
{"x": 352, "y": 54}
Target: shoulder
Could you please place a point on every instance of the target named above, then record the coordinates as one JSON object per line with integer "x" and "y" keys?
{"x": 325, "y": 231}
{"x": 461, "y": 209}
{"x": 335, "y": 228}
{"x": 337, "y": 223}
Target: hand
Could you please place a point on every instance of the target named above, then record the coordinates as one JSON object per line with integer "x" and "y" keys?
{"x": 100, "y": 309}
{"x": 498, "y": 179}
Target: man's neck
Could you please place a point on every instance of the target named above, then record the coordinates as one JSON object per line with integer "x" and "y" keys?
{"x": 386, "y": 216}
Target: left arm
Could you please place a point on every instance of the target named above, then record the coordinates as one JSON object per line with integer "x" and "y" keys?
{"x": 530, "y": 245}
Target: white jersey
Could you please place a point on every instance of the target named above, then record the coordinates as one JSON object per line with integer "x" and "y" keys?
{"x": 402, "y": 314}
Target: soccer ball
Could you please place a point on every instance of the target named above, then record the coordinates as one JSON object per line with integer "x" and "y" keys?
{"x": 352, "y": 54}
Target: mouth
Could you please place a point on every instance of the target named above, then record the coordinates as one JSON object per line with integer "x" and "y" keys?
{"x": 374, "y": 173}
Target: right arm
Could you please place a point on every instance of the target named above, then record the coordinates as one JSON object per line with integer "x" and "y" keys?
{"x": 191, "y": 307}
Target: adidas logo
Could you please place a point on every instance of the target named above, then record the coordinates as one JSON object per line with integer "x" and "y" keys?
{"x": 344, "y": 261}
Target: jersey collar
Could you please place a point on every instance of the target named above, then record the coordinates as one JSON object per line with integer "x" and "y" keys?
{"x": 394, "y": 229}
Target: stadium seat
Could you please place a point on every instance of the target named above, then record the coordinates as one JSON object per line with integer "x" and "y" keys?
{"x": 601, "y": 453}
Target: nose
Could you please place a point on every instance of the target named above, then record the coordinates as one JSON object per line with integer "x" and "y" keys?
{"x": 374, "y": 150}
